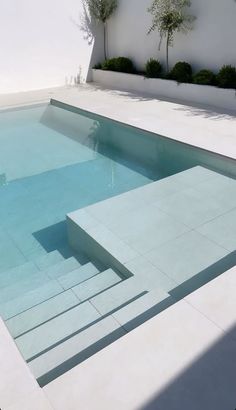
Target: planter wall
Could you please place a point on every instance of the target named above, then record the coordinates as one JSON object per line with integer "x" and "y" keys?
{"x": 197, "y": 94}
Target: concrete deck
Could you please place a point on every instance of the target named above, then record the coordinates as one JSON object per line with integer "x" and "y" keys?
{"x": 18, "y": 388}
{"x": 184, "y": 357}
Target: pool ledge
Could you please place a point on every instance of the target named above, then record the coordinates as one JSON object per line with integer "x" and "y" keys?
{"x": 201, "y": 126}
{"x": 181, "y": 216}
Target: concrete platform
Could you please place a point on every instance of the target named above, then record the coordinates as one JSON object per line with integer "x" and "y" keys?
{"x": 174, "y": 225}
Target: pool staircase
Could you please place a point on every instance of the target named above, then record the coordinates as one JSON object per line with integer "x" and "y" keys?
{"x": 60, "y": 311}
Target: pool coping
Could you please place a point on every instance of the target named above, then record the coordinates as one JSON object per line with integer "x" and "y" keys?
{"x": 119, "y": 106}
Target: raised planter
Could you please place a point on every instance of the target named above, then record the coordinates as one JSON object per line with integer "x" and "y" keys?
{"x": 200, "y": 94}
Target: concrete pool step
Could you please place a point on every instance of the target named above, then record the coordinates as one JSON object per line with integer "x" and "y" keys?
{"x": 78, "y": 275}
{"x": 56, "y": 330}
{"x": 26, "y": 284}
{"x": 48, "y": 260}
{"x": 25, "y": 270}
{"x": 61, "y": 268}
{"x": 38, "y": 287}
{"x": 16, "y": 274}
{"x": 78, "y": 348}
{"x": 29, "y": 299}
{"x": 142, "y": 309}
{"x": 48, "y": 309}
{"x": 67, "y": 324}
{"x": 117, "y": 296}
{"x": 97, "y": 284}
{"x": 28, "y": 277}
{"x": 41, "y": 313}
{"x": 21, "y": 272}
{"x": 63, "y": 357}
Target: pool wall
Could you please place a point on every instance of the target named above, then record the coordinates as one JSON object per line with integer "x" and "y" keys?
{"x": 148, "y": 149}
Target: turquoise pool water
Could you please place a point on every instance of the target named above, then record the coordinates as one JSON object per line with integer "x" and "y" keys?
{"x": 55, "y": 159}
{"x": 45, "y": 175}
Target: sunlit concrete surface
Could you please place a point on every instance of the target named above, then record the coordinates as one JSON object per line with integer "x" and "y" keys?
{"x": 18, "y": 388}
{"x": 181, "y": 359}
{"x": 201, "y": 126}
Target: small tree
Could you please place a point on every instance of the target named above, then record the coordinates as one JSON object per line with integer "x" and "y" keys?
{"x": 101, "y": 11}
{"x": 169, "y": 17}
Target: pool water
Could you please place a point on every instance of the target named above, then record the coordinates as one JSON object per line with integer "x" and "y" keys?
{"x": 46, "y": 175}
{"x": 54, "y": 159}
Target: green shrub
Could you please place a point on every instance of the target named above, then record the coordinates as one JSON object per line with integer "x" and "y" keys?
{"x": 226, "y": 77}
{"x": 181, "y": 72}
{"x": 98, "y": 66}
{"x": 153, "y": 68}
{"x": 120, "y": 64}
{"x": 204, "y": 77}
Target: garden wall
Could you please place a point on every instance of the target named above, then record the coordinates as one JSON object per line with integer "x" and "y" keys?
{"x": 211, "y": 44}
{"x": 42, "y": 44}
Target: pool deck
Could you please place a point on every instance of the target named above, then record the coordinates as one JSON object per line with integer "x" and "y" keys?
{"x": 183, "y": 358}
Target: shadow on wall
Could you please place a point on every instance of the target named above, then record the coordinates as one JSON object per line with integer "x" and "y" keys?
{"x": 92, "y": 34}
{"x": 208, "y": 383}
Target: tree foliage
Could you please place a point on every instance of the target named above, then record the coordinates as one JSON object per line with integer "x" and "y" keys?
{"x": 101, "y": 11}
{"x": 169, "y": 17}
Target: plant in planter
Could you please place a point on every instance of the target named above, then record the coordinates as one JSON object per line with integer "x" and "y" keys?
{"x": 170, "y": 17}
{"x": 226, "y": 77}
{"x": 181, "y": 72}
{"x": 101, "y": 11}
{"x": 153, "y": 68}
{"x": 120, "y": 64}
{"x": 204, "y": 77}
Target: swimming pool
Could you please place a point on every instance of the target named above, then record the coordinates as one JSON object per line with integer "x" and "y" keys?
{"x": 55, "y": 159}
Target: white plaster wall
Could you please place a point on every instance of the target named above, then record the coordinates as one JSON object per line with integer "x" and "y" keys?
{"x": 41, "y": 44}
{"x": 211, "y": 44}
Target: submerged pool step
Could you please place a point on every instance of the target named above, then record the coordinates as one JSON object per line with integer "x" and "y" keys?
{"x": 97, "y": 284}
{"x": 11, "y": 276}
{"x": 61, "y": 268}
{"x": 29, "y": 299}
{"x": 68, "y": 354}
{"x": 48, "y": 309}
{"x": 26, "y": 284}
{"x": 65, "y": 325}
{"x": 31, "y": 277}
{"x": 56, "y": 330}
{"x": 41, "y": 313}
{"x": 117, "y": 296}
{"x": 40, "y": 292}
{"x": 48, "y": 260}
{"x": 78, "y": 275}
